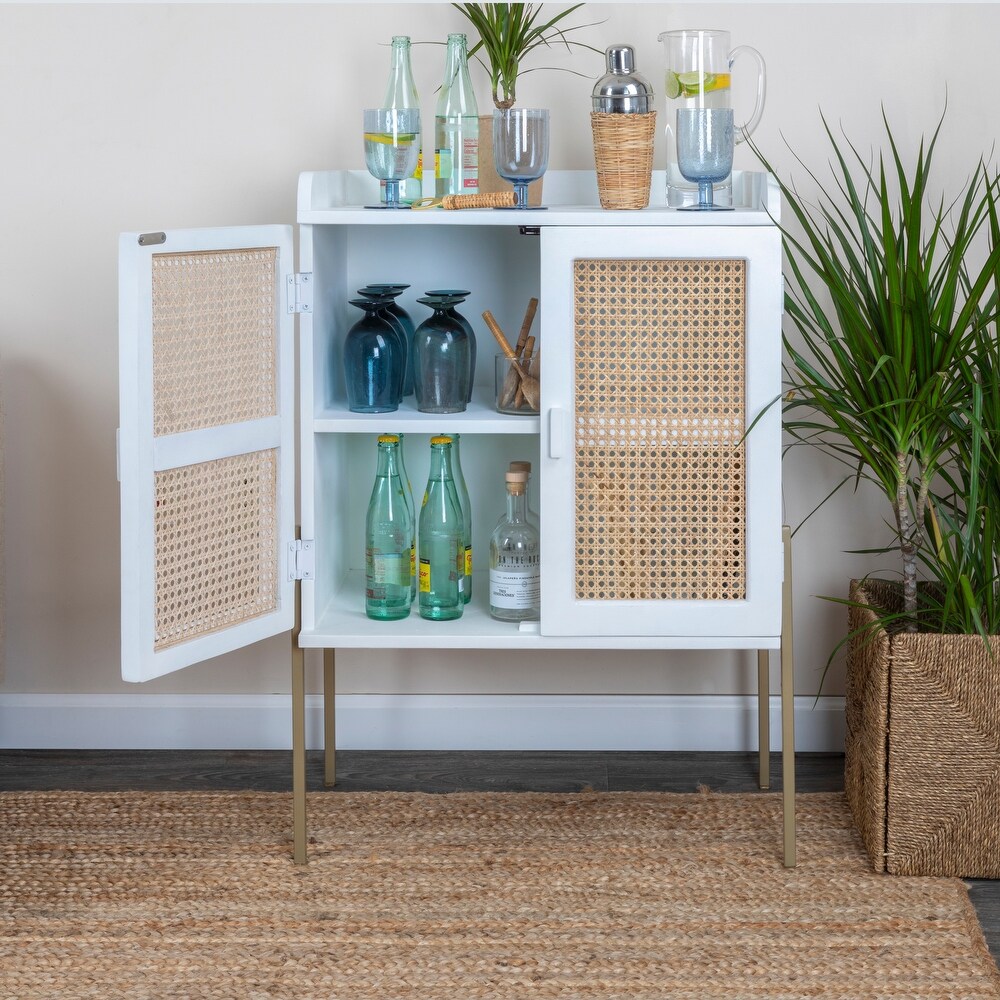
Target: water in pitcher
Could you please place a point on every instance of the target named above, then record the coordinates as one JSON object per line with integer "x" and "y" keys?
{"x": 698, "y": 75}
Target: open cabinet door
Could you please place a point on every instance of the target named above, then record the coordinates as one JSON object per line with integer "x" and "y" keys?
{"x": 206, "y": 443}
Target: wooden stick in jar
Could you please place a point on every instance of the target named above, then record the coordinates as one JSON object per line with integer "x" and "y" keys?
{"x": 511, "y": 382}
{"x": 529, "y": 349}
{"x": 528, "y": 384}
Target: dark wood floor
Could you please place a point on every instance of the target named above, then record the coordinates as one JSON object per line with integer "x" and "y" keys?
{"x": 437, "y": 771}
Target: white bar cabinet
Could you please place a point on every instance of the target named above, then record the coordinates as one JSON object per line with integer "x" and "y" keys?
{"x": 657, "y": 449}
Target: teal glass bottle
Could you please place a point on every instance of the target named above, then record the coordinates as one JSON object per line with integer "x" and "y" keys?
{"x": 456, "y": 126}
{"x": 440, "y": 546}
{"x": 408, "y": 496}
{"x": 401, "y": 92}
{"x": 388, "y": 534}
{"x": 463, "y": 498}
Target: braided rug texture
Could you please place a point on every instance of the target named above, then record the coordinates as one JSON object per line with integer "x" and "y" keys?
{"x": 465, "y": 896}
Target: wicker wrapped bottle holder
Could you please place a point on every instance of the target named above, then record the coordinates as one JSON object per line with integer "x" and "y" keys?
{"x": 623, "y": 123}
{"x": 623, "y": 153}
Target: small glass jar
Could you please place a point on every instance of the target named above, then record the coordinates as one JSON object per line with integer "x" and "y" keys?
{"x": 509, "y": 398}
{"x": 441, "y": 357}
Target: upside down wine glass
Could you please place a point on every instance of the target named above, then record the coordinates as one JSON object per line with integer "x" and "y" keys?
{"x": 521, "y": 147}
{"x": 392, "y": 146}
{"x": 705, "y": 152}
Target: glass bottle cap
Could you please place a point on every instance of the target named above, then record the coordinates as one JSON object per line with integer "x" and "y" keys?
{"x": 441, "y": 439}
{"x": 388, "y": 439}
{"x": 515, "y": 476}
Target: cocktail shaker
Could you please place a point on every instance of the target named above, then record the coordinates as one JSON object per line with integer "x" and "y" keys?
{"x": 622, "y": 90}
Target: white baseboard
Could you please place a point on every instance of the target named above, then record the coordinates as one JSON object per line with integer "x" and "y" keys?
{"x": 412, "y": 722}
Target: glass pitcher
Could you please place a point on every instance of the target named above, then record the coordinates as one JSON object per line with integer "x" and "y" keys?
{"x": 699, "y": 75}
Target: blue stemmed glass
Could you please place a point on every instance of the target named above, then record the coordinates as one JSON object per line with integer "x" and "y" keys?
{"x": 705, "y": 152}
{"x": 521, "y": 147}
{"x": 392, "y": 147}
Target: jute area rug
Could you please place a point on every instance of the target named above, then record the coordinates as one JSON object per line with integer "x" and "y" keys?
{"x": 465, "y": 896}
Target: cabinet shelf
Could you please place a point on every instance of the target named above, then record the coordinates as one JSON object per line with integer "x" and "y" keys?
{"x": 480, "y": 417}
{"x": 342, "y": 623}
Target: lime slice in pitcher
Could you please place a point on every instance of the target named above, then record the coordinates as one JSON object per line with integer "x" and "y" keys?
{"x": 673, "y": 85}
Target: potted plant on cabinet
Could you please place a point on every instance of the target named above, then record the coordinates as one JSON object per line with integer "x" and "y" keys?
{"x": 894, "y": 371}
{"x": 506, "y": 34}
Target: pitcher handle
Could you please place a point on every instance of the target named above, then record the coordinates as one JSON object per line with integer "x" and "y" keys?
{"x": 744, "y": 131}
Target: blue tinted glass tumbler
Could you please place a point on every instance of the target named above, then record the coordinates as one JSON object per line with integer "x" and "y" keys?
{"x": 520, "y": 147}
{"x": 441, "y": 360}
{"x": 393, "y": 291}
{"x": 705, "y": 152}
{"x": 460, "y": 295}
{"x": 373, "y": 362}
{"x": 392, "y": 147}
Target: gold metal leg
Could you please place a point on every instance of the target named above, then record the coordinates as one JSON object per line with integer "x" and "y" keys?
{"x": 764, "y": 718}
{"x": 787, "y": 707}
{"x": 298, "y": 740}
{"x": 329, "y": 717}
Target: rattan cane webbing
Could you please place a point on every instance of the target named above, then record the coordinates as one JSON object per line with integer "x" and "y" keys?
{"x": 660, "y": 408}
{"x": 214, "y": 338}
{"x": 216, "y": 532}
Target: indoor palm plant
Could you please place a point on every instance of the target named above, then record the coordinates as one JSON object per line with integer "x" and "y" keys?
{"x": 893, "y": 370}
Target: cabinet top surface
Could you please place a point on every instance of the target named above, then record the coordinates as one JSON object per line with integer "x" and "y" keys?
{"x": 569, "y": 197}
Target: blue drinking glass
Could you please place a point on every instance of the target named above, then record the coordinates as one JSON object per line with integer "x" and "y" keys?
{"x": 373, "y": 362}
{"x": 460, "y": 295}
{"x": 705, "y": 141}
{"x": 441, "y": 355}
{"x": 392, "y": 291}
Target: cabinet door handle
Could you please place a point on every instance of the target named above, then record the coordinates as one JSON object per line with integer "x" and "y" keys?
{"x": 557, "y": 432}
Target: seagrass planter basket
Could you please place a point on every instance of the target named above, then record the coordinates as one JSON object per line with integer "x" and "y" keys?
{"x": 922, "y": 767}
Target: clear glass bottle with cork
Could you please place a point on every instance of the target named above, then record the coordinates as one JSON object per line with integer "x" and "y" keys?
{"x": 515, "y": 594}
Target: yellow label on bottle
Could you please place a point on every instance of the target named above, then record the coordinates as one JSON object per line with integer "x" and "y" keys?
{"x": 423, "y": 503}
{"x": 425, "y": 576}
{"x": 468, "y": 560}
{"x": 413, "y": 560}
{"x": 419, "y": 172}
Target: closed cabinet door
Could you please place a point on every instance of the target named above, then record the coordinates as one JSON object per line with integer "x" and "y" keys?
{"x": 206, "y": 446}
{"x": 660, "y": 452}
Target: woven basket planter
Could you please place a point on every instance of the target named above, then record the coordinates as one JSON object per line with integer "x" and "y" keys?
{"x": 922, "y": 770}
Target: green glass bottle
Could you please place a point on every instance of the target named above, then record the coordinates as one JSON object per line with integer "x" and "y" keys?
{"x": 463, "y": 499}
{"x": 440, "y": 545}
{"x": 388, "y": 534}
{"x": 401, "y": 92}
{"x": 408, "y": 496}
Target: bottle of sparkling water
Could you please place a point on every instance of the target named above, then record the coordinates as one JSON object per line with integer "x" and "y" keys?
{"x": 440, "y": 546}
{"x": 515, "y": 594}
{"x": 388, "y": 534}
{"x": 463, "y": 498}
{"x": 456, "y": 126}
{"x": 404, "y": 477}
{"x": 401, "y": 92}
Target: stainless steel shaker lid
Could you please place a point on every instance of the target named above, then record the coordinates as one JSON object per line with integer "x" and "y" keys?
{"x": 622, "y": 90}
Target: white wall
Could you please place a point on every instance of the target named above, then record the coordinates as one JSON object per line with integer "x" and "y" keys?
{"x": 159, "y": 116}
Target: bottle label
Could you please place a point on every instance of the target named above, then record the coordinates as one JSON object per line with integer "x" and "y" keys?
{"x": 514, "y": 591}
{"x": 384, "y": 570}
{"x": 442, "y": 164}
{"x": 425, "y": 576}
{"x": 470, "y": 163}
{"x": 468, "y": 560}
{"x": 413, "y": 561}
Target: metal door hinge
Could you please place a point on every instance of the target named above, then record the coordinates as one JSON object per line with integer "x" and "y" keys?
{"x": 302, "y": 559}
{"x": 300, "y": 292}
